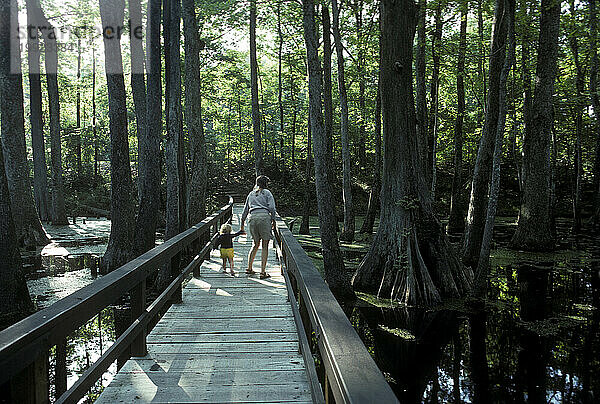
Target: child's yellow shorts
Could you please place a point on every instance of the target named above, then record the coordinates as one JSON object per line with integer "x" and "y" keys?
{"x": 226, "y": 252}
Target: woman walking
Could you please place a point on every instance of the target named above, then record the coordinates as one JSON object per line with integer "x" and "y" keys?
{"x": 260, "y": 204}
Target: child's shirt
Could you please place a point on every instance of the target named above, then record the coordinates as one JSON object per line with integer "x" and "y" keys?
{"x": 226, "y": 240}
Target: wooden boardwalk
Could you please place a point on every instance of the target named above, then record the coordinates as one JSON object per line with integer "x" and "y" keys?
{"x": 232, "y": 340}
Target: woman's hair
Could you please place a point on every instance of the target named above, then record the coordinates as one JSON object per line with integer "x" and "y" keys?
{"x": 225, "y": 229}
{"x": 262, "y": 182}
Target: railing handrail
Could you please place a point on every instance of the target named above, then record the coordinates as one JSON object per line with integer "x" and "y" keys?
{"x": 23, "y": 342}
{"x": 351, "y": 371}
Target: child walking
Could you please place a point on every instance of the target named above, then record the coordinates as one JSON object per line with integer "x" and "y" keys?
{"x": 225, "y": 240}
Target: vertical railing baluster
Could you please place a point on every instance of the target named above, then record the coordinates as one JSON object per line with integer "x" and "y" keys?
{"x": 138, "y": 306}
{"x": 60, "y": 375}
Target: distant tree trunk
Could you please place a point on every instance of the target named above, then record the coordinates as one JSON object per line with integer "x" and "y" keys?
{"x": 421, "y": 89}
{"x": 294, "y": 114}
{"x": 305, "y": 224}
{"x": 28, "y": 227}
{"x": 348, "y": 230}
{"x": 40, "y": 170}
{"x": 360, "y": 63}
{"x": 167, "y": 55}
{"x": 476, "y": 217}
{"x": 120, "y": 243}
{"x": 369, "y": 222}
{"x": 482, "y": 272}
{"x": 327, "y": 90}
{"x": 15, "y": 302}
{"x": 174, "y": 128}
{"x": 59, "y": 214}
{"x": 193, "y": 114}
{"x": 578, "y": 112}
{"x": 595, "y": 98}
{"x": 254, "y": 90}
{"x": 436, "y": 44}
{"x": 95, "y": 134}
{"x": 280, "y": 80}
{"x": 149, "y": 147}
{"x": 138, "y": 85}
{"x": 410, "y": 258}
{"x": 534, "y": 231}
{"x": 332, "y": 256}
{"x": 525, "y": 19}
{"x": 456, "y": 222}
{"x": 481, "y": 60}
{"x": 77, "y": 134}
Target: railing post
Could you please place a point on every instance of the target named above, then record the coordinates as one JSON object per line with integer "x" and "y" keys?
{"x": 138, "y": 306}
{"x": 196, "y": 247}
{"x": 175, "y": 261}
{"x": 60, "y": 376}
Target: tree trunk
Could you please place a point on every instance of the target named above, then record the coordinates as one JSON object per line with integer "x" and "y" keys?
{"x": 456, "y": 221}
{"x": 15, "y": 302}
{"x": 294, "y": 114}
{"x": 149, "y": 147}
{"x": 305, "y": 224}
{"x": 421, "y": 89}
{"x": 193, "y": 115}
{"x": 348, "y": 229}
{"x": 254, "y": 90}
{"x": 525, "y": 18}
{"x": 332, "y": 257}
{"x": 120, "y": 243}
{"x": 280, "y": 80}
{"x": 411, "y": 258}
{"x": 369, "y": 222}
{"x": 578, "y": 112}
{"x": 534, "y": 231}
{"x": 436, "y": 43}
{"x": 475, "y": 225}
{"x": 327, "y": 90}
{"x": 174, "y": 127}
{"x": 59, "y": 214}
{"x": 595, "y": 98}
{"x": 138, "y": 85}
{"x": 77, "y": 134}
{"x": 40, "y": 170}
{"x": 482, "y": 272}
{"x": 95, "y": 134}
{"x": 360, "y": 67}
{"x": 27, "y": 224}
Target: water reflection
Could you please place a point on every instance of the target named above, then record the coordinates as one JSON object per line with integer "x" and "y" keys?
{"x": 536, "y": 338}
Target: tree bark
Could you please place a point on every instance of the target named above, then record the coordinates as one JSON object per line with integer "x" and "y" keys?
{"x": 332, "y": 257}
{"x": 456, "y": 221}
{"x": 280, "y": 81}
{"x": 120, "y": 243}
{"x": 436, "y": 43}
{"x": 348, "y": 229}
{"x": 373, "y": 206}
{"x": 174, "y": 124}
{"x": 258, "y": 168}
{"x": 476, "y": 217}
{"x": 534, "y": 231}
{"x": 578, "y": 112}
{"x": 525, "y": 19}
{"x": 360, "y": 67}
{"x": 59, "y": 214}
{"x": 305, "y": 224}
{"x": 77, "y": 134}
{"x": 40, "y": 170}
{"x": 138, "y": 84}
{"x": 484, "y": 255}
{"x": 327, "y": 90}
{"x": 25, "y": 218}
{"x": 411, "y": 258}
{"x": 149, "y": 147}
{"x": 193, "y": 115}
{"x": 15, "y": 302}
{"x": 421, "y": 89}
{"x": 595, "y": 99}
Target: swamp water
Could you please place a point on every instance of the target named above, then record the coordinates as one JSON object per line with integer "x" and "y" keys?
{"x": 535, "y": 340}
{"x": 69, "y": 263}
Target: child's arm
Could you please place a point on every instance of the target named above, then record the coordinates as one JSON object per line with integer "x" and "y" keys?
{"x": 239, "y": 233}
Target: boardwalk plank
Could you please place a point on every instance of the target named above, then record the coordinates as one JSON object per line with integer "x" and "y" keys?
{"x": 233, "y": 339}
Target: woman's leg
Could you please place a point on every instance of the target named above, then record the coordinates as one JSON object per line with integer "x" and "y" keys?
{"x": 252, "y": 254}
{"x": 264, "y": 255}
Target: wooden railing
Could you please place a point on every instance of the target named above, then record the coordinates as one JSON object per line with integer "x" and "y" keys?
{"x": 24, "y": 346}
{"x": 350, "y": 374}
